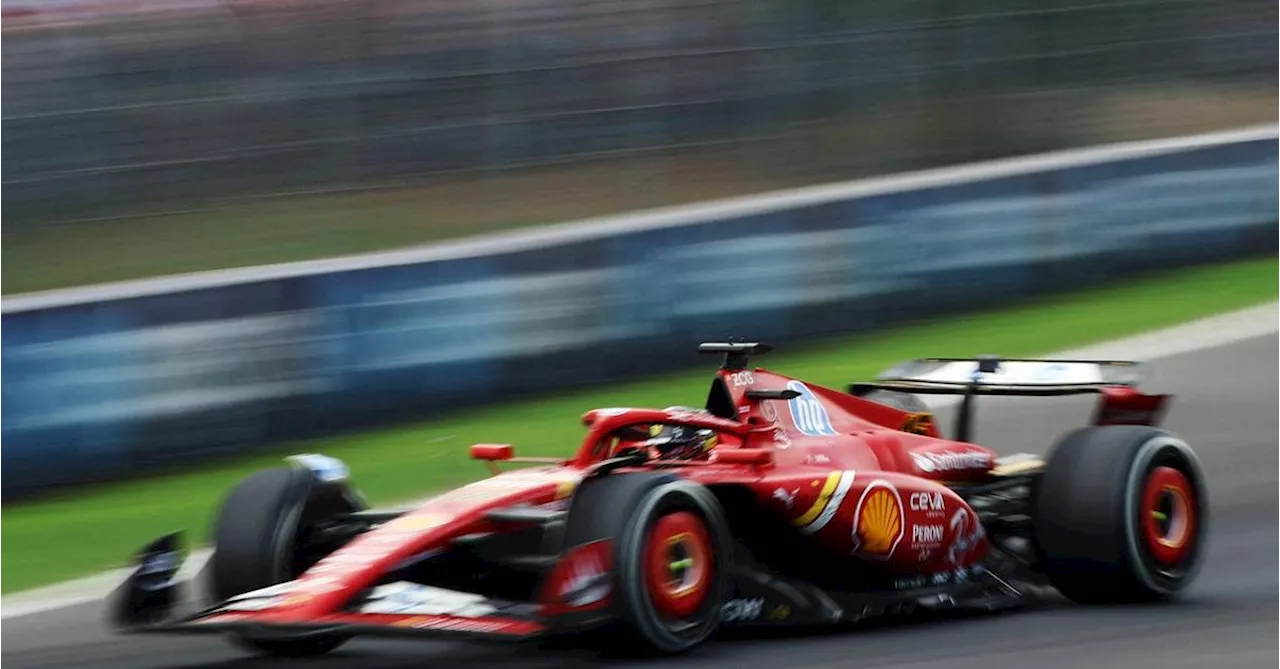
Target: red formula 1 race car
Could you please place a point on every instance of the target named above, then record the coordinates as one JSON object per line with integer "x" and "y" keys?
{"x": 779, "y": 503}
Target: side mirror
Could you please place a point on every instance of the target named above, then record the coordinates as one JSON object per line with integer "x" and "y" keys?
{"x": 492, "y": 453}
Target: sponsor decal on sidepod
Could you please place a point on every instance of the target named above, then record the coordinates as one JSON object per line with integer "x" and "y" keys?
{"x": 926, "y": 534}
{"x": 807, "y": 412}
{"x": 967, "y": 532}
{"x": 946, "y": 461}
{"x": 927, "y": 501}
{"x": 877, "y": 520}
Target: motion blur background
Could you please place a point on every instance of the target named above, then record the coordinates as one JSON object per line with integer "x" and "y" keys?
{"x": 149, "y": 138}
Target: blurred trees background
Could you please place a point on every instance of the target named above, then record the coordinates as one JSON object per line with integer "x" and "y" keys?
{"x": 347, "y": 125}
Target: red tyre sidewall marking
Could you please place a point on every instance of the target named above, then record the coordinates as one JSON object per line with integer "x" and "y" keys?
{"x": 671, "y": 597}
{"x": 1169, "y": 548}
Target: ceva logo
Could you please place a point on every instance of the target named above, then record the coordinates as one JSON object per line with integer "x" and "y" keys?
{"x": 807, "y": 412}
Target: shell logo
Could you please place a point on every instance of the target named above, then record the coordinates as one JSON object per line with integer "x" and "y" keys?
{"x": 878, "y": 520}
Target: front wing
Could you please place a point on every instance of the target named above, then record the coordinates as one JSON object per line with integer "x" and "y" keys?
{"x": 153, "y": 600}
{"x": 369, "y": 624}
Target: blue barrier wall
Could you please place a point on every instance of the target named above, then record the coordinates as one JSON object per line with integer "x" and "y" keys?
{"x": 105, "y": 388}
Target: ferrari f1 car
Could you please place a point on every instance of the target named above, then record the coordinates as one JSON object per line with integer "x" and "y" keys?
{"x": 778, "y": 503}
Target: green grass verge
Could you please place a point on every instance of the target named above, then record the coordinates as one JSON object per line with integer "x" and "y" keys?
{"x": 92, "y": 529}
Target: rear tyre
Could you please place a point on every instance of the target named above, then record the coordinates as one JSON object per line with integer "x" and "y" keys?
{"x": 1120, "y": 515}
{"x": 673, "y": 567}
{"x": 259, "y": 540}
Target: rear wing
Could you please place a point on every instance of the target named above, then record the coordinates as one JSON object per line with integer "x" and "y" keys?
{"x": 1115, "y": 380}
{"x": 1011, "y": 376}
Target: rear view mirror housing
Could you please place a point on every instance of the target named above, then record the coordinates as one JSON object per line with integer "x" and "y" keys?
{"x": 492, "y": 452}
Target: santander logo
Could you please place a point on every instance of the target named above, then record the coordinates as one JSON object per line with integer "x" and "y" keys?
{"x": 949, "y": 461}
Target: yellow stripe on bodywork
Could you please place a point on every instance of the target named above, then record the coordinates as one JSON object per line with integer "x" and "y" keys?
{"x": 842, "y": 489}
{"x": 819, "y": 504}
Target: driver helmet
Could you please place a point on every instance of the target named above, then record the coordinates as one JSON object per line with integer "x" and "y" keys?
{"x": 681, "y": 443}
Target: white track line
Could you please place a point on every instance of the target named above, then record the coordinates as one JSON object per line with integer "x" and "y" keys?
{"x": 1197, "y": 335}
{"x": 1205, "y": 333}
{"x": 59, "y": 595}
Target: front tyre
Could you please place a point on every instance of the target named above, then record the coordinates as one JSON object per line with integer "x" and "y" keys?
{"x": 674, "y": 567}
{"x": 260, "y": 539}
{"x": 1121, "y": 515}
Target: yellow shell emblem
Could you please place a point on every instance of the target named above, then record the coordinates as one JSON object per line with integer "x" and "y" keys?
{"x": 880, "y": 522}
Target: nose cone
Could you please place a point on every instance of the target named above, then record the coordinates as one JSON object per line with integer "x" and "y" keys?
{"x": 330, "y": 583}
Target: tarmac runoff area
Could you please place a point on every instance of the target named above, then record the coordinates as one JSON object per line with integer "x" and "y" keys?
{"x": 1222, "y": 370}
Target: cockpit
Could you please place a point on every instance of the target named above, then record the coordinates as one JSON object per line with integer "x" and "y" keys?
{"x": 664, "y": 441}
{"x": 681, "y": 433}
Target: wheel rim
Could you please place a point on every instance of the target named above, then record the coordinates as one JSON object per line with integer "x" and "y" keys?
{"x": 678, "y": 564}
{"x": 1169, "y": 516}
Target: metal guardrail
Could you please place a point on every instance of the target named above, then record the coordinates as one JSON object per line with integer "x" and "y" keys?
{"x": 112, "y": 380}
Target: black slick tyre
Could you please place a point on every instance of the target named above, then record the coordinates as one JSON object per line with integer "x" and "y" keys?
{"x": 256, "y": 539}
{"x": 673, "y": 567}
{"x": 1120, "y": 515}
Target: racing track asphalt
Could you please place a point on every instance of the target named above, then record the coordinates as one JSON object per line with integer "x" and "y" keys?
{"x": 1226, "y": 409}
